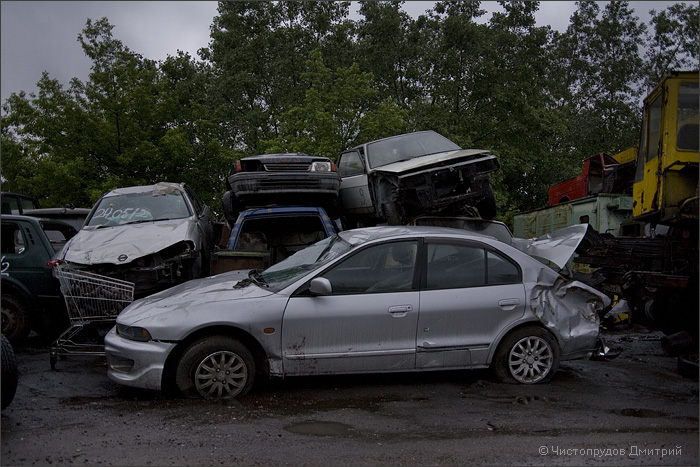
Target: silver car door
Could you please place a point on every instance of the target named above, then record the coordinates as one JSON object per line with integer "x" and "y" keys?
{"x": 368, "y": 322}
{"x": 470, "y": 294}
{"x": 354, "y": 187}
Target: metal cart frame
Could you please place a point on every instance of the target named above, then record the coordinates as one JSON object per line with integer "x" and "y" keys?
{"x": 92, "y": 301}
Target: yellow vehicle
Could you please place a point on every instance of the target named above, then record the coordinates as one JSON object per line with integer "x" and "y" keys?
{"x": 654, "y": 263}
{"x": 666, "y": 182}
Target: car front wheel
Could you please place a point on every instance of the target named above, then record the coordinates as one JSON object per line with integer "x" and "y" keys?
{"x": 528, "y": 355}
{"x": 216, "y": 367}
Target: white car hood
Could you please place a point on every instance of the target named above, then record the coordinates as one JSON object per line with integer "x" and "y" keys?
{"x": 108, "y": 244}
{"x": 432, "y": 159}
{"x": 557, "y": 247}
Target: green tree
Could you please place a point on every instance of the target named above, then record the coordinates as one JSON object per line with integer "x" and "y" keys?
{"x": 600, "y": 53}
{"x": 255, "y": 52}
{"x": 674, "y": 43}
{"x": 340, "y": 109}
{"x": 388, "y": 47}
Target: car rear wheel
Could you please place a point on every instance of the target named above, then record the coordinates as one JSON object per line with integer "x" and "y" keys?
{"x": 528, "y": 355}
{"x": 15, "y": 319}
{"x": 9, "y": 373}
{"x": 216, "y": 367}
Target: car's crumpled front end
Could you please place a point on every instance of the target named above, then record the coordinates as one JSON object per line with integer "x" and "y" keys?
{"x": 152, "y": 255}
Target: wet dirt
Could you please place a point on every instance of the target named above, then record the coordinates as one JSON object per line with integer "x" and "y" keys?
{"x": 633, "y": 410}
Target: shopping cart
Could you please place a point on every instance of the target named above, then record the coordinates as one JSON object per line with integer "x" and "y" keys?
{"x": 93, "y": 303}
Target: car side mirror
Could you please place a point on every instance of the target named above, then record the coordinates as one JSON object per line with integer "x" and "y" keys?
{"x": 320, "y": 286}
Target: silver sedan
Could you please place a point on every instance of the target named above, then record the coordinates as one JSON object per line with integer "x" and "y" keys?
{"x": 381, "y": 299}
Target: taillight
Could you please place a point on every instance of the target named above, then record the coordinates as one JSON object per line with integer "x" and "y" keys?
{"x": 333, "y": 167}
{"x": 239, "y": 166}
{"x": 55, "y": 262}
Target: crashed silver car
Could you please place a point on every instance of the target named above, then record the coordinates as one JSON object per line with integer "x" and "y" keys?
{"x": 155, "y": 236}
{"x": 379, "y": 299}
{"x": 394, "y": 179}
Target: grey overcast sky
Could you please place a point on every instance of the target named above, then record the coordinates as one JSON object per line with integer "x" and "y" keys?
{"x": 39, "y": 36}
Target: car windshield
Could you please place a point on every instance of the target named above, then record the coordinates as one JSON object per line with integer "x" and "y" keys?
{"x": 286, "y": 272}
{"x": 409, "y": 146}
{"x": 139, "y": 207}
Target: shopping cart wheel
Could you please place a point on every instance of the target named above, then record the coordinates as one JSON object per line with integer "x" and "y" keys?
{"x": 53, "y": 357}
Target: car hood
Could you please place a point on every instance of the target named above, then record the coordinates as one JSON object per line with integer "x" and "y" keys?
{"x": 192, "y": 296}
{"x": 434, "y": 159}
{"x": 557, "y": 247}
{"x": 109, "y": 244}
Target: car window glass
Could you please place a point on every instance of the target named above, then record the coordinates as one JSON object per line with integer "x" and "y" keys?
{"x": 139, "y": 207}
{"x": 500, "y": 270}
{"x": 458, "y": 266}
{"x": 10, "y": 205}
{"x": 12, "y": 240}
{"x": 388, "y": 267}
{"x": 350, "y": 164}
{"x": 198, "y": 204}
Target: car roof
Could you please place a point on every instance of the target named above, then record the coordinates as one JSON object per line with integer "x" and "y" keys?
{"x": 272, "y": 210}
{"x": 300, "y": 155}
{"x": 395, "y": 136}
{"x": 37, "y": 220}
{"x": 165, "y": 186}
{"x": 368, "y": 234}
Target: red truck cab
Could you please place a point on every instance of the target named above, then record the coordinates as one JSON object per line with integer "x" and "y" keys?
{"x": 601, "y": 174}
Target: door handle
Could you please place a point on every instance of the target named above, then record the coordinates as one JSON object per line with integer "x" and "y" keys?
{"x": 509, "y": 303}
{"x": 400, "y": 310}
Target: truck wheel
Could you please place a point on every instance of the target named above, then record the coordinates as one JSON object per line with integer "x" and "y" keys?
{"x": 487, "y": 206}
{"x": 216, "y": 367}
{"x": 527, "y": 355}
{"x": 9, "y": 373}
{"x": 15, "y": 319}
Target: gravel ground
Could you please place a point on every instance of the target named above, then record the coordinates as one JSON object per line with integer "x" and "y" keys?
{"x": 633, "y": 410}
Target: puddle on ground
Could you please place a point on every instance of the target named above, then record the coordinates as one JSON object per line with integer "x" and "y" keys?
{"x": 641, "y": 413}
{"x": 320, "y": 428}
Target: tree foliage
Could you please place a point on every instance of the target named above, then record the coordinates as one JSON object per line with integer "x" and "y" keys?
{"x": 303, "y": 76}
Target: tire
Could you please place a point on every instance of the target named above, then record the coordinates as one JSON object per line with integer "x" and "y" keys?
{"x": 224, "y": 358}
{"x": 9, "y": 373}
{"x": 15, "y": 320}
{"x": 487, "y": 206}
{"x": 527, "y": 355}
{"x": 230, "y": 208}
{"x": 391, "y": 207}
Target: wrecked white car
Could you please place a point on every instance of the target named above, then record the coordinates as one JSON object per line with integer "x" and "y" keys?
{"x": 379, "y": 299}
{"x": 155, "y": 236}
{"x": 393, "y": 179}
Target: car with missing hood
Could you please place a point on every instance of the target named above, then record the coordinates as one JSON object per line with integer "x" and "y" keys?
{"x": 378, "y": 299}
{"x": 155, "y": 236}
{"x": 396, "y": 178}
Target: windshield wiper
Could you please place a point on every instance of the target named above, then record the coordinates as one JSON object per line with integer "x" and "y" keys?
{"x": 140, "y": 221}
{"x": 256, "y": 276}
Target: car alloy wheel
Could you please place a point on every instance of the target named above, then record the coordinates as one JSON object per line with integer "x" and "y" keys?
{"x": 215, "y": 367}
{"x": 527, "y": 355}
{"x": 220, "y": 375}
{"x": 530, "y": 360}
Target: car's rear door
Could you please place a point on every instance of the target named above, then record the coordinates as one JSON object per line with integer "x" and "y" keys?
{"x": 368, "y": 323}
{"x": 469, "y": 294}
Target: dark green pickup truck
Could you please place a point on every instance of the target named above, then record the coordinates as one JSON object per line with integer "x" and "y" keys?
{"x": 31, "y": 297}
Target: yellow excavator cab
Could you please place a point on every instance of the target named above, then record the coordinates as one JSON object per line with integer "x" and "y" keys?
{"x": 666, "y": 181}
